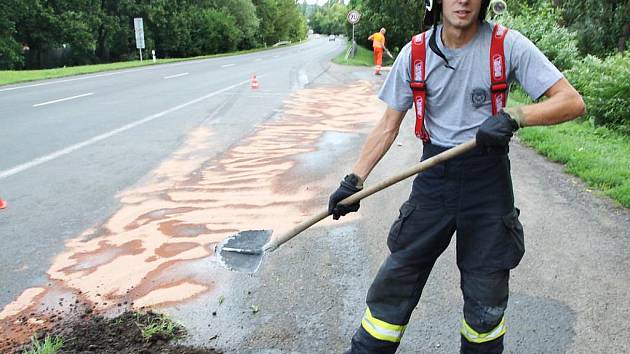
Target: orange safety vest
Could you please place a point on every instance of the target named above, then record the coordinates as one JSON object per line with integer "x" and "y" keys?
{"x": 378, "y": 40}
{"x": 498, "y": 78}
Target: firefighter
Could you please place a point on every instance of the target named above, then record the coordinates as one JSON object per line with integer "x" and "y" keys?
{"x": 459, "y": 96}
{"x": 378, "y": 45}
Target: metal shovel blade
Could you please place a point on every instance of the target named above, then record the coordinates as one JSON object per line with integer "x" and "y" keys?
{"x": 243, "y": 252}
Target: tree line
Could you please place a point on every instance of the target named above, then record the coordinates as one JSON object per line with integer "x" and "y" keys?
{"x": 602, "y": 27}
{"x": 47, "y": 33}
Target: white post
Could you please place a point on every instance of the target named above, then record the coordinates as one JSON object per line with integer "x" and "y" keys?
{"x": 140, "y": 54}
{"x": 353, "y": 33}
{"x": 153, "y": 54}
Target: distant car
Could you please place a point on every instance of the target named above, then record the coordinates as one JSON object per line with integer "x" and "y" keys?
{"x": 331, "y": 37}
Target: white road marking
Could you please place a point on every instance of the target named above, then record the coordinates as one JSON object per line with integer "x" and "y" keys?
{"x": 276, "y": 56}
{"x": 227, "y": 65}
{"x": 65, "y": 151}
{"x": 174, "y": 76}
{"x": 63, "y": 99}
{"x": 258, "y": 59}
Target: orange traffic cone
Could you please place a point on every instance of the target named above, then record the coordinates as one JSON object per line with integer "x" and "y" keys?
{"x": 254, "y": 82}
{"x": 3, "y": 204}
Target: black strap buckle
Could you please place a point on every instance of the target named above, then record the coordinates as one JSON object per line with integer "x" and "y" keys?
{"x": 499, "y": 87}
{"x": 418, "y": 85}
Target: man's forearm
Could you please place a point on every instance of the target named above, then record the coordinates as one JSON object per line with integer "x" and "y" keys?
{"x": 378, "y": 142}
{"x": 564, "y": 104}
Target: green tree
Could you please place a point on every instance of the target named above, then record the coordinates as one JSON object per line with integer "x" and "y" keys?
{"x": 84, "y": 31}
{"x": 244, "y": 14}
{"x": 329, "y": 18}
{"x": 541, "y": 25}
{"x": 214, "y": 31}
{"x": 38, "y": 27}
{"x": 10, "y": 50}
{"x": 280, "y": 20}
{"x": 401, "y": 18}
{"x": 267, "y": 12}
{"x": 603, "y": 26}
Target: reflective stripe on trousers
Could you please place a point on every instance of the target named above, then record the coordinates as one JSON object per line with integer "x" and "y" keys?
{"x": 475, "y": 337}
{"x": 380, "y": 329}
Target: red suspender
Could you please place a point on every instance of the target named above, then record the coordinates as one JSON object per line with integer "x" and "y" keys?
{"x": 498, "y": 78}
{"x": 417, "y": 84}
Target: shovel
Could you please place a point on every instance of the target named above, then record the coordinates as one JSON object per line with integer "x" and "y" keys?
{"x": 244, "y": 251}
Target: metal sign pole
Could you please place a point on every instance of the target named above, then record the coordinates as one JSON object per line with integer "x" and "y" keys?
{"x": 138, "y": 26}
{"x": 353, "y": 17}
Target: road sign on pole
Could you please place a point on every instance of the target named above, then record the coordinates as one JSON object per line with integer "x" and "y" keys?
{"x": 353, "y": 17}
{"x": 138, "y": 27}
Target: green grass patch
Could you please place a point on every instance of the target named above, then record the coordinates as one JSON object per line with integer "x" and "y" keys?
{"x": 599, "y": 156}
{"x": 17, "y": 76}
{"x": 159, "y": 327}
{"x": 363, "y": 57}
{"x": 50, "y": 345}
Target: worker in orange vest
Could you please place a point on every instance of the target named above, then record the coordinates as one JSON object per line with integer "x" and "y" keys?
{"x": 378, "y": 43}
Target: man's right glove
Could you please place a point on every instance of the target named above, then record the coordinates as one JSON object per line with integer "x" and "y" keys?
{"x": 349, "y": 185}
{"x": 497, "y": 130}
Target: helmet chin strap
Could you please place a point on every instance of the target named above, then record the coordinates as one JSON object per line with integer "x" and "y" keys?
{"x": 433, "y": 15}
{"x": 436, "y": 49}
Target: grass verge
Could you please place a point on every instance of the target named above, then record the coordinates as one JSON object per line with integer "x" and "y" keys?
{"x": 598, "y": 155}
{"x": 16, "y": 76}
{"x": 50, "y": 345}
{"x": 363, "y": 57}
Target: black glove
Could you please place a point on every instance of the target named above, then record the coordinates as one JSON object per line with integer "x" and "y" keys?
{"x": 349, "y": 185}
{"x": 496, "y": 130}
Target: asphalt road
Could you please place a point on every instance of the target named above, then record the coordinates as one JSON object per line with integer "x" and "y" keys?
{"x": 63, "y": 162}
{"x": 268, "y": 158}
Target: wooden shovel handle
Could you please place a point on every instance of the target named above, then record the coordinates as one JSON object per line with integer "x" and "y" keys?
{"x": 422, "y": 166}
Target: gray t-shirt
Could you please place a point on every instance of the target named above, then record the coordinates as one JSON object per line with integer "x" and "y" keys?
{"x": 458, "y": 101}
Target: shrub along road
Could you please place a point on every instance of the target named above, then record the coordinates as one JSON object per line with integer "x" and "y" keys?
{"x": 133, "y": 218}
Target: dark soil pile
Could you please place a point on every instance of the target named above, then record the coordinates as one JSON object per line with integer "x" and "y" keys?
{"x": 121, "y": 335}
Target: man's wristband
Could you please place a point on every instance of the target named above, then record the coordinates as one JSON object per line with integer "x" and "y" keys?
{"x": 517, "y": 114}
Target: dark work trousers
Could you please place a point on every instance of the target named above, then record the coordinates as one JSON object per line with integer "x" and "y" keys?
{"x": 470, "y": 194}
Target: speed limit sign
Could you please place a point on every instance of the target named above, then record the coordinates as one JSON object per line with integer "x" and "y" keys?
{"x": 354, "y": 16}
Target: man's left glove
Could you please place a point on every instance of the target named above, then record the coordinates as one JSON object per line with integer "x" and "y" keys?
{"x": 349, "y": 185}
{"x": 497, "y": 130}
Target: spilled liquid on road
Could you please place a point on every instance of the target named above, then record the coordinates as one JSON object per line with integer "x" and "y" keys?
{"x": 155, "y": 249}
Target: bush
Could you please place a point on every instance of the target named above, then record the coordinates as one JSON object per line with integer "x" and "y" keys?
{"x": 541, "y": 26}
{"x": 605, "y": 87}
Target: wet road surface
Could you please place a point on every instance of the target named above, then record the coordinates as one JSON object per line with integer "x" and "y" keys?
{"x": 240, "y": 168}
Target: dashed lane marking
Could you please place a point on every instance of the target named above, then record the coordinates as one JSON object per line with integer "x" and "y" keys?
{"x": 63, "y": 99}
{"x": 174, "y": 76}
